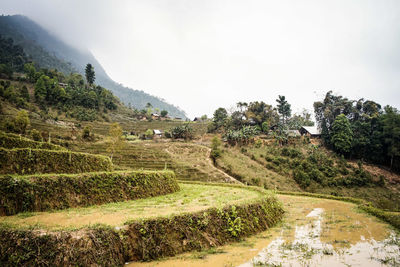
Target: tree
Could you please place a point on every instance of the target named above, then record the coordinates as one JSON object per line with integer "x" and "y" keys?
{"x": 284, "y": 108}
{"x": 21, "y": 121}
{"x": 327, "y": 110}
{"x": 25, "y": 93}
{"x": 30, "y": 71}
{"x": 115, "y": 138}
{"x": 41, "y": 89}
{"x": 220, "y": 116}
{"x": 90, "y": 75}
{"x": 259, "y": 112}
{"x": 391, "y": 132}
{"x": 164, "y": 113}
{"x": 342, "y": 135}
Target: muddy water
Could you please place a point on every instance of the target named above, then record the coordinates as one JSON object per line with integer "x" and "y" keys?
{"x": 315, "y": 232}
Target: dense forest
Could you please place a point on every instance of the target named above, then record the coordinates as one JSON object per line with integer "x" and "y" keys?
{"x": 360, "y": 129}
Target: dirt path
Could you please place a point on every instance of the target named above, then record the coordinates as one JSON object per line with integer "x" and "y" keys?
{"x": 211, "y": 164}
{"x": 315, "y": 232}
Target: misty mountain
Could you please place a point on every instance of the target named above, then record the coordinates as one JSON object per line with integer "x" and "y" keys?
{"x": 48, "y": 51}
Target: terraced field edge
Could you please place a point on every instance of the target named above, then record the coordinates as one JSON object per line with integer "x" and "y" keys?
{"x": 138, "y": 240}
{"x": 14, "y": 141}
{"x": 29, "y": 161}
{"x": 61, "y": 191}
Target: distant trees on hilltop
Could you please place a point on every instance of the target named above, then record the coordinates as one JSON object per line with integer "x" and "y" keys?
{"x": 360, "y": 128}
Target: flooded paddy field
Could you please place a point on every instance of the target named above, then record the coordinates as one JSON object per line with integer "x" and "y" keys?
{"x": 314, "y": 232}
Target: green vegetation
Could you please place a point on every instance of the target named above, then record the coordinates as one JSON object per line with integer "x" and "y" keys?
{"x": 29, "y": 161}
{"x": 261, "y": 148}
{"x": 215, "y": 149}
{"x": 61, "y": 191}
{"x": 241, "y": 136}
{"x": 141, "y": 239}
{"x": 115, "y": 139}
{"x": 307, "y": 167}
{"x": 49, "y": 52}
{"x": 342, "y": 135}
{"x": 12, "y": 57}
{"x": 374, "y": 133}
{"x": 8, "y": 140}
{"x": 68, "y": 94}
{"x": 192, "y": 197}
{"x": 89, "y": 74}
{"x": 284, "y": 108}
{"x": 184, "y": 131}
{"x": 237, "y": 164}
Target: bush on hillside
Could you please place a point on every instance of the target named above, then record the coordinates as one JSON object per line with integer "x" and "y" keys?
{"x": 35, "y": 135}
{"x": 182, "y": 131}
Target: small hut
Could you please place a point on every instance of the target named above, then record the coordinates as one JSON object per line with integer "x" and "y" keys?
{"x": 157, "y": 133}
{"x": 310, "y": 131}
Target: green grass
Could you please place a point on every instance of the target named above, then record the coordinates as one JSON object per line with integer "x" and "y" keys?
{"x": 251, "y": 172}
{"x": 191, "y": 198}
{"x": 274, "y": 167}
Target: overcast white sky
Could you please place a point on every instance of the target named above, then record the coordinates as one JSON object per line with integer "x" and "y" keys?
{"x": 203, "y": 54}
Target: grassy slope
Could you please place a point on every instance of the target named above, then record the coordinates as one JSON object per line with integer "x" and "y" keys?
{"x": 251, "y": 172}
{"x": 254, "y": 167}
{"x": 191, "y": 198}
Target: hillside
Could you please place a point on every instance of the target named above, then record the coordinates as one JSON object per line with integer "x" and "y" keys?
{"x": 48, "y": 51}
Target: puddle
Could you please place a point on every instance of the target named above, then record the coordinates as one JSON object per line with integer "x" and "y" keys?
{"x": 315, "y": 232}
{"x": 307, "y": 249}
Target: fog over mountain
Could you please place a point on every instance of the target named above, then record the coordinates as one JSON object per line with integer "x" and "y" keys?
{"x": 200, "y": 55}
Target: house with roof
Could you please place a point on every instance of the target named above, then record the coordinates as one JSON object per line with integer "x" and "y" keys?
{"x": 157, "y": 133}
{"x": 310, "y": 131}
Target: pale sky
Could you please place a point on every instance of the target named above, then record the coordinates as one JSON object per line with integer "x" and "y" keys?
{"x": 205, "y": 54}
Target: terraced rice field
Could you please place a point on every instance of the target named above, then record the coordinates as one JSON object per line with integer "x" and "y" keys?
{"x": 191, "y": 198}
{"x": 188, "y": 161}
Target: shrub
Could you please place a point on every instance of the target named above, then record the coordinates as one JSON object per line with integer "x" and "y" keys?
{"x": 258, "y": 143}
{"x": 86, "y": 133}
{"x": 167, "y": 134}
{"x": 149, "y": 134}
{"x": 302, "y": 178}
{"x": 21, "y": 121}
{"x": 215, "y": 149}
{"x": 35, "y": 135}
{"x": 182, "y": 131}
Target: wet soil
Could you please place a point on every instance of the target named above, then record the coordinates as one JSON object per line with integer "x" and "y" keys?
{"x": 315, "y": 232}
